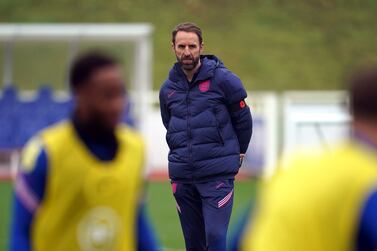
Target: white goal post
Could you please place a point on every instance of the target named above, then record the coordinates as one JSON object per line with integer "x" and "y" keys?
{"x": 140, "y": 34}
{"x": 314, "y": 119}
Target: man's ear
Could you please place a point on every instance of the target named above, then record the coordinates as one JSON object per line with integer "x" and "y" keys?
{"x": 80, "y": 93}
{"x": 172, "y": 47}
{"x": 202, "y": 47}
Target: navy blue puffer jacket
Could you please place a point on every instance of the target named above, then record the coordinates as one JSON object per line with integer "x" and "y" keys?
{"x": 208, "y": 124}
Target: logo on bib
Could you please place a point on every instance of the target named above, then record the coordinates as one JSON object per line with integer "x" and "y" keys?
{"x": 204, "y": 86}
{"x": 99, "y": 229}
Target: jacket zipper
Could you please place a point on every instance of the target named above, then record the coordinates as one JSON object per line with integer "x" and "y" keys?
{"x": 189, "y": 128}
{"x": 220, "y": 136}
{"x": 218, "y": 129}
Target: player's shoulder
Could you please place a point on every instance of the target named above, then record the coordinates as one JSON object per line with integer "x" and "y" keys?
{"x": 59, "y": 128}
{"x": 301, "y": 158}
{"x": 349, "y": 154}
{"x": 130, "y": 135}
{"x": 303, "y": 164}
{"x": 360, "y": 157}
{"x": 38, "y": 142}
{"x": 59, "y": 138}
{"x": 341, "y": 163}
{"x": 31, "y": 152}
{"x": 38, "y": 146}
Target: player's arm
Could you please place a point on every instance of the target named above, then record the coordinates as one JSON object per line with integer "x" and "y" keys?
{"x": 239, "y": 230}
{"x": 146, "y": 240}
{"x": 165, "y": 114}
{"x": 367, "y": 232}
{"x": 28, "y": 193}
{"x": 239, "y": 111}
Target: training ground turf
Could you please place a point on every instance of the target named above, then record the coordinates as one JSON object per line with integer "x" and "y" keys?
{"x": 161, "y": 208}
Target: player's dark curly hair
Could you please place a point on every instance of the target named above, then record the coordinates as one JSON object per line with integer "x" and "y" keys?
{"x": 86, "y": 64}
{"x": 363, "y": 93}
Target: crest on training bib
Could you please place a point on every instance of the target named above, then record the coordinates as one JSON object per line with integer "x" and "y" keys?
{"x": 99, "y": 229}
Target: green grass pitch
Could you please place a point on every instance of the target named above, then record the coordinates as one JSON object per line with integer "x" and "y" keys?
{"x": 161, "y": 209}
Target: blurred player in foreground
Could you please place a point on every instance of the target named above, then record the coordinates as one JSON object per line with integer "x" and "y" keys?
{"x": 81, "y": 181}
{"x": 209, "y": 127}
{"x": 325, "y": 202}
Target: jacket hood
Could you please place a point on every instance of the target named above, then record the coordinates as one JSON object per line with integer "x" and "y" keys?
{"x": 209, "y": 64}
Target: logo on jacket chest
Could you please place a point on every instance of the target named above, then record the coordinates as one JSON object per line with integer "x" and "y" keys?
{"x": 204, "y": 86}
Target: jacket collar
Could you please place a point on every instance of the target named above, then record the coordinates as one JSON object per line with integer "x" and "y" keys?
{"x": 209, "y": 63}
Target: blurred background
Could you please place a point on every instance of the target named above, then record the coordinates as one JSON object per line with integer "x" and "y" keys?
{"x": 292, "y": 56}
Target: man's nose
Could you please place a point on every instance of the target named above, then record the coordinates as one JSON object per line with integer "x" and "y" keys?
{"x": 186, "y": 51}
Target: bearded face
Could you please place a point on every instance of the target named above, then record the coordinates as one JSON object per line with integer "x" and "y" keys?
{"x": 187, "y": 49}
{"x": 188, "y": 62}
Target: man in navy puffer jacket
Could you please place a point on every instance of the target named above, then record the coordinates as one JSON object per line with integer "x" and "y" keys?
{"x": 209, "y": 127}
